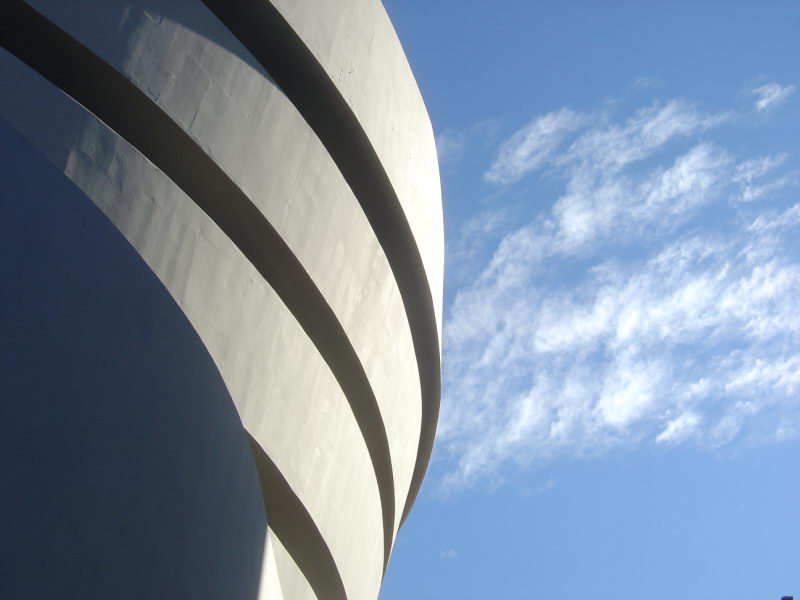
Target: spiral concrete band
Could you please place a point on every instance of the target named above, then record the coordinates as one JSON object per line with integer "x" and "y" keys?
{"x": 260, "y": 177}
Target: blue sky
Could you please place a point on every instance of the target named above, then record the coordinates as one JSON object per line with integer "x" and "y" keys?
{"x": 621, "y": 401}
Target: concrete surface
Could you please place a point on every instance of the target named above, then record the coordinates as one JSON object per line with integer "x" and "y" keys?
{"x": 307, "y": 409}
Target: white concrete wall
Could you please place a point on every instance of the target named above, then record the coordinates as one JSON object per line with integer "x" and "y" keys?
{"x": 356, "y": 44}
{"x": 264, "y": 145}
{"x": 192, "y": 67}
{"x": 294, "y": 407}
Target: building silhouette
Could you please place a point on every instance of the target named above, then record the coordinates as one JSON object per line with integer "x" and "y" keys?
{"x": 222, "y": 258}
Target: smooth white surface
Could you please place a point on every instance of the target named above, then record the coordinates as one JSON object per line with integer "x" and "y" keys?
{"x": 356, "y": 44}
{"x": 286, "y": 396}
{"x": 198, "y": 73}
{"x": 251, "y": 130}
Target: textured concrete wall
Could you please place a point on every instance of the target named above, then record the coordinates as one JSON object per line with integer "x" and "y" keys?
{"x": 292, "y": 257}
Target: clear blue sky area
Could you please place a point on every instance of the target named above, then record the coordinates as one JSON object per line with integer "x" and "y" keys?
{"x": 621, "y": 397}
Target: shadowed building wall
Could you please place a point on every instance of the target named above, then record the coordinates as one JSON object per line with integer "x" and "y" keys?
{"x": 266, "y": 172}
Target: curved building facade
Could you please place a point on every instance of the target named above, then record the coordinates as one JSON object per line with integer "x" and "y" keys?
{"x": 222, "y": 249}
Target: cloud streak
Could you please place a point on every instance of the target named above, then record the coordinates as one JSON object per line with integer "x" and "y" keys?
{"x": 449, "y": 554}
{"x": 646, "y": 305}
{"x": 602, "y": 148}
{"x": 450, "y": 146}
{"x": 533, "y": 145}
{"x": 771, "y": 95}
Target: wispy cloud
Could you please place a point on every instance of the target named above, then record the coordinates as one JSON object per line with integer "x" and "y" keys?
{"x": 602, "y": 148}
{"x": 448, "y": 554}
{"x": 530, "y": 147}
{"x": 750, "y": 176}
{"x": 642, "y": 306}
{"x": 540, "y": 489}
{"x": 770, "y": 95}
{"x": 473, "y": 241}
{"x": 450, "y": 146}
{"x": 644, "y": 83}
{"x": 680, "y": 428}
{"x": 607, "y": 149}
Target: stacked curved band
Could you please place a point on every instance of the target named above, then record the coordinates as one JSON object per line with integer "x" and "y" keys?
{"x": 273, "y": 165}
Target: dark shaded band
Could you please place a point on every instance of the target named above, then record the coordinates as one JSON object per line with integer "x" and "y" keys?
{"x": 125, "y": 109}
{"x": 296, "y": 530}
{"x": 262, "y": 29}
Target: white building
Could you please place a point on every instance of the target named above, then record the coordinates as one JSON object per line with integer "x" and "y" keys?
{"x": 222, "y": 257}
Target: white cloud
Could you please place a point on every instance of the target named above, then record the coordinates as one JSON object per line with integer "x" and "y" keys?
{"x": 473, "y": 239}
{"x": 770, "y": 95}
{"x": 752, "y": 169}
{"x": 606, "y": 359}
{"x": 766, "y": 375}
{"x": 679, "y": 428}
{"x": 540, "y": 489}
{"x": 530, "y": 147}
{"x": 750, "y": 173}
{"x": 628, "y": 391}
{"x": 642, "y": 307}
{"x": 450, "y": 146}
{"x": 448, "y": 554}
{"x": 605, "y": 150}
{"x": 643, "y": 83}
{"x": 594, "y": 209}
{"x": 547, "y": 485}
{"x": 772, "y": 220}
